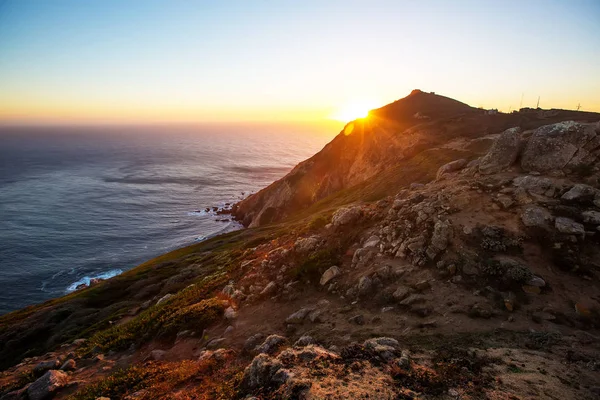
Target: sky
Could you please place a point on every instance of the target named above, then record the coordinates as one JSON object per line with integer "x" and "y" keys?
{"x": 208, "y": 61}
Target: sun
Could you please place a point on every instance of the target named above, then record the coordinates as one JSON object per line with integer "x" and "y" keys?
{"x": 353, "y": 110}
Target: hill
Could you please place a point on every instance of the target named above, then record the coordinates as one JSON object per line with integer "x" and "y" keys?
{"x": 432, "y": 250}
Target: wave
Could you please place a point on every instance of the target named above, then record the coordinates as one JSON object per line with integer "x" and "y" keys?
{"x": 160, "y": 180}
{"x": 86, "y": 279}
{"x": 258, "y": 169}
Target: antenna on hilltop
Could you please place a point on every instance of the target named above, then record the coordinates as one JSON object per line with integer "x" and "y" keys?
{"x": 578, "y": 106}
{"x": 521, "y": 103}
{"x": 538, "y": 104}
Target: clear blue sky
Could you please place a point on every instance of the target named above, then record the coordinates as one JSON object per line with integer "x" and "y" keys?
{"x": 288, "y": 60}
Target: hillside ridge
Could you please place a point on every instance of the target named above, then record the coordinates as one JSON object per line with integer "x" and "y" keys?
{"x": 451, "y": 254}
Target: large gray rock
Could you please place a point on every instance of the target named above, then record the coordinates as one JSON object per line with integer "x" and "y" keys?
{"x": 591, "y": 217}
{"x": 453, "y": 166}
{"x": 536, "y": 185}
{"x": 503, "y": 153}
{"x": 346, "y": 216}
{"x": 305, "y": 245}
{"x": 372, "y": 241}
{"x": 47, "y": 385}
{"x": 580, "y": 193}
{"x": 536, "y": 217}
{"x": 46, "y": 365}
{"x": 558, "y": 146}
{"x": 568, "y": 226}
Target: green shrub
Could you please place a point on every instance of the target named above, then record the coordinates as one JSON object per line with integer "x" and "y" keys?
{"x": 317, "y": 223}
{"x": 181, "y": 312}
{"x": 315, "y": 263}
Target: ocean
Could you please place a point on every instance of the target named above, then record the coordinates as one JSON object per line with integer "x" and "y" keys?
{"x": 79, "y": 203}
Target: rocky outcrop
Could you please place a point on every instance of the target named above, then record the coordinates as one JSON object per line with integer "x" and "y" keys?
{"x": 558, "y": 146}
{"x": 503, "y": 153}
{"x": 47, "y": 385}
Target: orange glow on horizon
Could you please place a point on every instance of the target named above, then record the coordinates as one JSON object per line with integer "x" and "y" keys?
{"x": 354, "y": 110}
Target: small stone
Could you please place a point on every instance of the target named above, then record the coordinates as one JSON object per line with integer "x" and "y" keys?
{"x": 329, "y": 275}
{"x": 422, "y": 285}
{"x": 510, "y": 301}
{"x": 536, "y": 281}
{"x": 270, "y": 289}
{"x": 253, "y": 341}
{"x": 271, "y": 344}
{"x": 69, "y": 365}
{"x": 164, "y": 298}
{"x": 412, "y": 299}
{"x": 583, "y": 309}
{"x": 299, "y": 316}
{"x": 365, "y": 284}
{"x": 401, "y": 293}
{"x": 230, "y": 314}
{"x": 304, "y": 341}
{"x": 357, "y": 319}
{"x": 215, "y": 343}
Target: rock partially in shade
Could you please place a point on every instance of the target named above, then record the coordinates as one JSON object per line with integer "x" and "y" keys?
{"x": 557, "y": 146}
{"x": 330, "y": 275}
{"x": 46, "y": 386}
{"x": 568, "y": 226}
{"x": 503, "y": 153}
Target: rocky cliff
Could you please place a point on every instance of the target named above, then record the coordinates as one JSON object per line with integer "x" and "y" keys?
{"x": 389, "y": 137}
{"x": 435, "y": 252}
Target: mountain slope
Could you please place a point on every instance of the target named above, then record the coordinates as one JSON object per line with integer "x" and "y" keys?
{"x": 389, "y": 137}
{"x": 453, "y": 255}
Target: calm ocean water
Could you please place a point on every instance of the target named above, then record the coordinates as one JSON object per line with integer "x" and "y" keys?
{"x": 78, "y": 203}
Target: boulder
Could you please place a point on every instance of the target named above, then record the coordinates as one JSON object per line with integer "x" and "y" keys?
{"x": 557, "y": 146}
{"x": 306, "y": 245}
{"x": 442, "y": 231}
{"x": 346, "y": 216}
{"x": 591, "y": 217}
{"x": 536, "y": 185}
{"x": 453, "y": 166}
{"x": 580, "y": 193}
{"x": 230, "y": 314}
{"x": 46, "y": 365}
{"x": 299, "y": 316}
{"x": 401, "y": 293}
{"x": 568, "y": 226}
{"x": 536, "y": 217}
{"x": 253, "y": 341}
{"x": 216, "y": 343}
{"x": 271, "y": 344}
{"x": 365, "y": 284}
{"x": 362, "y": 257}
{"x": 385, "y": 347}
{"x": 264, "y": 372}
{"x": 47, "y": 385}
{"x": 157, "y": 355}
{"x": 503, "y": 153}
{"x": 372, "y": 241}
{"x": 329, "y": 275}
{"x": 304, "y": 341}
{"x": 69, "y": 365}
